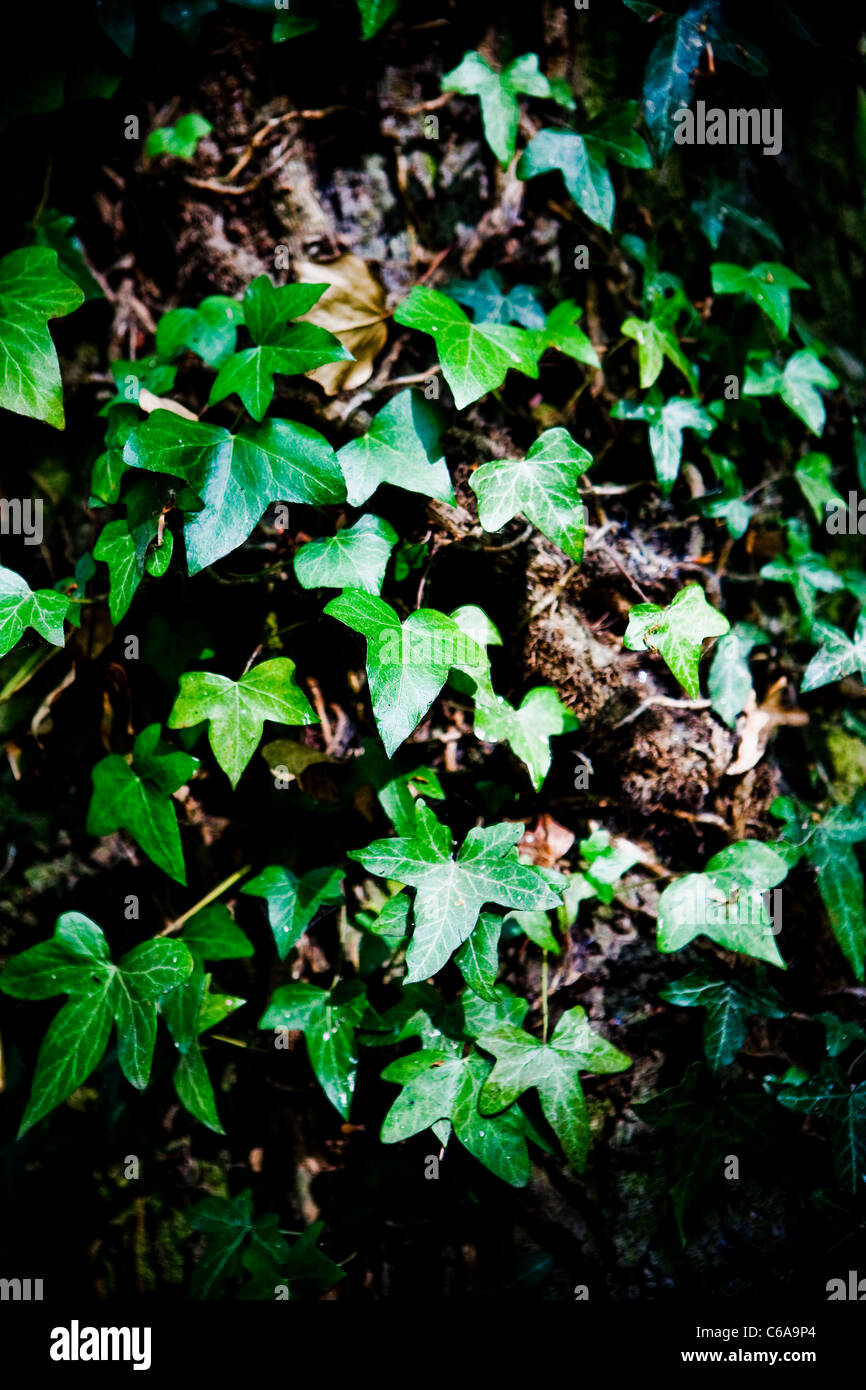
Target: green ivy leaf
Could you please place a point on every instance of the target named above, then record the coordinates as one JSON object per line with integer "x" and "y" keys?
{"x": 814, "y": 474}
{"x": 676, "y": 633}
{"x": 805, "y": 570}
{"x": 666, "y": 424}
{"x": 769, "y": 284}
{"x": 581, "y": 159}
{"x": 451, "y": 893}
{"x": 293, "y": 902}
{"x": 528, "y": 729}
{"x": 729, "y": 1005}
{"x": 33, "y": 290}
{"x": 838, "y": 655}
{"x": 54, "y": 230}
{"x": 840, "y": 884}
{"x": 439, "y": 1087}
{"x": 236, "y": 1242}
{"x": 608, "y": 858}
{"x": 280, "y": 348}
{"x": 236, "y": 710}
{"x": 487, "y": 299}
{"x": 375, "y": 13}
{"x": 475, "y": 357}
{"x": 560, "y": 331}
{"x": 213, "y": 935}
{"x": 543, "y": 486}
{"x": 76, "y": 962}
{"x": 797, "y": 384}
{"x": 655, "y": 342}
{"x": 726, "y": 903}
{"x": 729, "y": 503}
{"x": 210, "y": 331}
{"x": 729, "y": 683}
{"x": 355, "y": 558}
{"x": 498, "y": 92}
{"x": 237, "y": 476}
{"x": 478, "y": 958}
{"x": 401, "y": 448}
{"x": 830, "y": 1096}
{"x": 21, "y": 607}
{"x": 180, "y": 140}
{"x": 668, "y": 80}
{"x": 553, "y": 1069}
{"x": 407, "y": 663}
{"x": 328, "y": 1019}
{"x": 137, "y": 799}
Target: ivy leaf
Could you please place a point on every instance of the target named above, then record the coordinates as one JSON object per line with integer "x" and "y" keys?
{"x": 355, "y": 558}
{"x": 397, "y": 797}
{"x": 814, "y": 474}
{"x": 328, "y": 1019}
{"x": 375, "y": 13}
{"x": 769, "y": 284}
{"x": 729, "y": 683}
{"x": 728, "y": 504}
{"x": 721, "y": 206}
{"x": 729, "y": 1005}
{"x": 76, "y": 962}
{"x": 117, "y": 547}
{"x": 180, "y": 140}
{"x": 21, "y": 607}
{"x": 726, "y": 903}
{"x": 676, "y": 633}
{"x": 829, "y": 1095}
{"x": 805, "y": 570}
{"x": 451, "y": 893}
{"x": 212, "y": 934}
{"x": 237, "y": 476}
{"x": 236, "y": 710}
{"x": 401, "y": 448}
{"x": 560, "y": 331}
{"x": 666, "y": 424}
{"x": 608, "y": 858}
{"x": 489, "y": 303}
{"x": 581, "y": 159}
{"x": 797, "y": 384}
{"x": 279, "y": 348}
{"x": 33, "y": 290}
{"x": 553, "y": 1069}
{"x": 440, "y": 1087}
{"x": 407, "y": 663}
{"x": 837, "y": 657}
{"x": 475, "y": 357}
{"x": 53, "y": 229}
{"x": 543, "y": 486}
{"x": 655, "y": 342}
{"x": 236, "y": 1242}
{"x": 668, "y": 80}
{"x": 293, "y": 902}
{"x": 137, "y": 799}
{"x": 498, "y": 92}
{"x": 528, "y": 729}
{"x": 210, "y": 331}
{"x": 840, "y": 884}
{"x": 478, "y": 957}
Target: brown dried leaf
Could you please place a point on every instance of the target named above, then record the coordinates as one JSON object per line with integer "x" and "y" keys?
{"x": 353, "y": 308}
{"x": 547, "y": 843}
{"x": 757, "y": 722}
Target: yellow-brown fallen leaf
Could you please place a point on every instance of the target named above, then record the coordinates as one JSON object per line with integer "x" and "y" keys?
{"x": 148, "y": 402}
{"x": 547, "y": 843}
{"x": 757, "y": 722}
{"x": 353, "y": 308}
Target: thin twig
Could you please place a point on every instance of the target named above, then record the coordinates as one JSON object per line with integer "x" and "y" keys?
{"x": 203, "y": 902}
{"x": 667, "y": 703}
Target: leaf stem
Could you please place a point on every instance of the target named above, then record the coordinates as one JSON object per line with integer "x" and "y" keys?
{"x": 203, "y": 902}
{"x": 545, "y": 1017}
